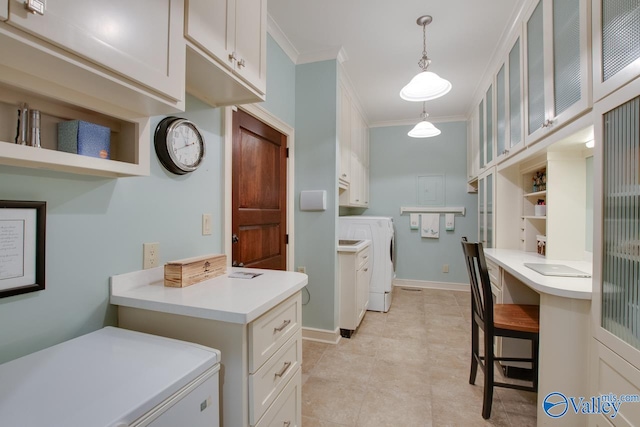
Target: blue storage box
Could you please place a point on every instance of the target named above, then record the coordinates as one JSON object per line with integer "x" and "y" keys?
{"x": 87, "y": 139}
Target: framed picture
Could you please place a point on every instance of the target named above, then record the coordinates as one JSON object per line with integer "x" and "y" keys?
{"x": 22, "y": 247}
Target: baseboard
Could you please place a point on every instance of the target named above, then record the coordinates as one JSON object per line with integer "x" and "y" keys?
{"x": 321, "y": 335}
{"x": 431, "y": 285}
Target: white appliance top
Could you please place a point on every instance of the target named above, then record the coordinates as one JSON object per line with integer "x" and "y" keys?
{"x": 101, "y": 379}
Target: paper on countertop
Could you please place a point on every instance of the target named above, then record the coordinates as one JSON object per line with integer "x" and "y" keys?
{"x": 449, "y": 221}
{"x": 243, "y": 275}
{"x": 431, "y": 225}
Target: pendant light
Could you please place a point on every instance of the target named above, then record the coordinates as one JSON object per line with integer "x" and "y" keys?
{"x": 424, "y": 129}
{"x": 426, "y": 85}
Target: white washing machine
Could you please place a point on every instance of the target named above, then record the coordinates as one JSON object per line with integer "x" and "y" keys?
{"x": 378, "y": 229}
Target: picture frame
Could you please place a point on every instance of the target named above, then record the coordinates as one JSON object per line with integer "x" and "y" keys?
{"x": 22, "y": 247}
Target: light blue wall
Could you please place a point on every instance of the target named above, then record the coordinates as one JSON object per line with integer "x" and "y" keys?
{"x": 396, "y": 161}
{"x": 96, "y": 228}
{"x": 281, "y": 84}
{"x": 316, "y": 169}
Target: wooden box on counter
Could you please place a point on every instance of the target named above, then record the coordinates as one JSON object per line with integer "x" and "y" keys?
{"x": 189, "y": 271}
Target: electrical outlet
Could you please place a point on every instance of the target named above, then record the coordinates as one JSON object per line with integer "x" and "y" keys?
{"x": 151, "y": 255}
{"x": 207, "y": 219}
{"x": 302, "y": 269}
{"x": 445, "y": 268}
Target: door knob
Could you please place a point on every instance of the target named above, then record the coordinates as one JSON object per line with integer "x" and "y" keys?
{"x": 234, "y": 238}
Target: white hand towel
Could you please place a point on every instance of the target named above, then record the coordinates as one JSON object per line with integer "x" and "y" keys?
{"x": 431, "y": 226}
{"x": 449, "y": 222}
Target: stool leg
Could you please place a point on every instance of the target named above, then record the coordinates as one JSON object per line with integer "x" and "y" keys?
{"x": 474, "y": 352}
{"x": 488, "y": 375}
{"x": 534, "y": 356}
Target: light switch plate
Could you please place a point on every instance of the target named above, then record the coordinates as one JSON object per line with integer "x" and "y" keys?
{"x": 207, "y": 220}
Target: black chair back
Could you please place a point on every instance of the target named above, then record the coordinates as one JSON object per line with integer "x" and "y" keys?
{"x": 481, "y": 296}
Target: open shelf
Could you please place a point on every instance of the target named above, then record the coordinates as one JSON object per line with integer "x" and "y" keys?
{"x": 129, "y": 138}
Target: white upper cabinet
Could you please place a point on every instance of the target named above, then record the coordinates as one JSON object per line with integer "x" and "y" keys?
{"x": 616, "y": 51}
{"x": 557, "y": 70}
{"x": 140, "y": 42}
{"x": 353, "y": 174}
{"x": 226, "y": 50}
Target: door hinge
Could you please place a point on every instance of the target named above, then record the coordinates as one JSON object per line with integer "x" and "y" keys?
{"x": 287, "y": 152}
{"x": 286, "y": 239}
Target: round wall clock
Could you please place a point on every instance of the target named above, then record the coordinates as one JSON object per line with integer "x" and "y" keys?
{"x": 179, "y": 145}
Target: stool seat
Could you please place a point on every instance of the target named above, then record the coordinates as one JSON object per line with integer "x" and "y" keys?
{"x": 517, "y": 317}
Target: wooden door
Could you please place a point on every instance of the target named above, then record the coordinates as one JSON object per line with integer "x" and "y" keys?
{"x": 259, "y": 194}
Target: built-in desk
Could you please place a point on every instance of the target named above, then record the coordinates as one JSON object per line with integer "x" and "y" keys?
{"x": 565, "y": 304}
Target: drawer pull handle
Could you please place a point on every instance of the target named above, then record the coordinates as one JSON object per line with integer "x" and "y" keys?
{"x": 284, "y": 369}
{"x": 281, "y": 327}
{"x": 286, "y": 424}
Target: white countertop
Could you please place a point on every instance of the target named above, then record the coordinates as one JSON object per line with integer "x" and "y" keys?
{"x": 354, "y": 248}
{"x": 570, "y": 287}
{"x": 221, "y": 298}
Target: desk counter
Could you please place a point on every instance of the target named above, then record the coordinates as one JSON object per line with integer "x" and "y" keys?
{"x": 569, "y": 287}
{"x": 565, "y": 307}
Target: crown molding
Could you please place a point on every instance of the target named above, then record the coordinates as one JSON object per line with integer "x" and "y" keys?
{"x": 282, "y": 40}
{"x": 412, "y": 122}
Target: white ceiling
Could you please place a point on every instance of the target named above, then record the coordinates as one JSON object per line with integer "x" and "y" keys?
{"x": 383, "y": 44}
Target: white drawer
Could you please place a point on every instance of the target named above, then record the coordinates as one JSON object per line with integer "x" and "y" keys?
{"x": 494, "y": 274}
{"x": 363, "y": 257}
{"x": 268, "y": 332}
{"x": 286, "y": 409}
{"x": 267, "y": 383}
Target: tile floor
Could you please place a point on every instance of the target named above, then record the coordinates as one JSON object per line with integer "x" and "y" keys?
{"x": 408, "y": 367}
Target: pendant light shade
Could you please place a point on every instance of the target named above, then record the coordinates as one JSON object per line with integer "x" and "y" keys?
{"x": 426, "y": 85}
{"x": 424, "y": 129}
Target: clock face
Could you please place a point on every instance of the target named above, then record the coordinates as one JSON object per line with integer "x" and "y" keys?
{"x": 179, "y": 145}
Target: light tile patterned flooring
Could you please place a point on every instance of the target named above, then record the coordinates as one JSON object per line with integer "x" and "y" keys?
{"x": 408, "y": 367}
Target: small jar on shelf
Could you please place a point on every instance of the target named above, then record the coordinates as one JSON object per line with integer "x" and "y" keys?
{"x": 542, "y": 244}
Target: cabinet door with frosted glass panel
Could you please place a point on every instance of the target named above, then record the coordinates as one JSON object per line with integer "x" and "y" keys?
{"x": 616, "y": 50}
{"x": 557, "y": 77}
{"x": 485, "y": 129}
{"x": 485, "y": 208}
{"x": 508, "y": 130}
{"x": 617, "y": 237}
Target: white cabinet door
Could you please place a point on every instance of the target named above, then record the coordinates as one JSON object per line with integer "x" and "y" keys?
{"x": 234, "y": 33}
{"x": 4, "y": 9}
{"x": 345, "y": 137}
{"x": 140, "y": 40}
{"x": 210, "y": 24}
{"x": 250, "y": 42}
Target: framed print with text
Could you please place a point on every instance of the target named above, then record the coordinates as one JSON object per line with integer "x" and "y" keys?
{"x": 22, "y": 246}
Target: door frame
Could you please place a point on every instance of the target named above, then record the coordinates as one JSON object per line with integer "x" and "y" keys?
{"x": 263, "y": 115}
